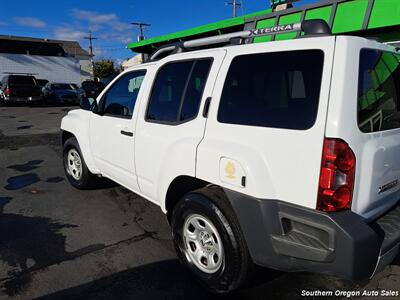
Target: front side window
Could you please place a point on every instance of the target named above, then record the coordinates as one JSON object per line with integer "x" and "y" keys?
{"x": 120, "y": 99}
{"x": 378, "y": 91}
{"x": 278, "y": 90}
{"x": 177, "y": 91}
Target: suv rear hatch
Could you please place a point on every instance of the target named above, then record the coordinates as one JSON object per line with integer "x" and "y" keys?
{"x": 364, "y": 110}
{"x": 23, "y": 86}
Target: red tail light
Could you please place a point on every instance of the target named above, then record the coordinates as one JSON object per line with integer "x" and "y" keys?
{"x": 336, "y": 181}
{"x": 7, "y": 92}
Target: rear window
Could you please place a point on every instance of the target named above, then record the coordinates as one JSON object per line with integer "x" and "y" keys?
{"x": 178, "y": 90}
{"x": 25, "y": 80}
{"x": 378, "y": 91}
{"x": 279, "y": 90}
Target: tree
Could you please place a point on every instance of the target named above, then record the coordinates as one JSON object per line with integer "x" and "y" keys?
{"x": 104, "y": 69}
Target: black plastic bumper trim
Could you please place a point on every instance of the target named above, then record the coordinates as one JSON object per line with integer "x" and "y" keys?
{"x": 292, "y": 238}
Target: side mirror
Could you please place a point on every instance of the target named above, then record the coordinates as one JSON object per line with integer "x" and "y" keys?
{"x": 89, "y": 104}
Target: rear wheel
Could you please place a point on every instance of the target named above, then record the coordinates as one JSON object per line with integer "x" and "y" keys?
{"x": 75, "y": 167}
{"x": 209, "y": 241}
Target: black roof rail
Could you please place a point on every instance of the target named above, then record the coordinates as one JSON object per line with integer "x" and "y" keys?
{"x": 315, "y": 27}
{"x": 16, "y": 73}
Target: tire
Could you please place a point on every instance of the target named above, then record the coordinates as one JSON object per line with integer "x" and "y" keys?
{"x": 210, "y": 206}
{"x": 81, "y": 180}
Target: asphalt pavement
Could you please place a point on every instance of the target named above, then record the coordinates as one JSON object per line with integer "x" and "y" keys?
{"x": 60, "y": 243}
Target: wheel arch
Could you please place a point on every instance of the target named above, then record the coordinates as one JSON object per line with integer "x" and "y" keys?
{"x": 65, "y": 135}
{"x": 76, "y": 124}
{"x": 179, "y": 187}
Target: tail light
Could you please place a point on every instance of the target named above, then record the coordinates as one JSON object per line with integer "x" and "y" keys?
{"x": 7, "y": 92}
{"x": 336, "y": 181}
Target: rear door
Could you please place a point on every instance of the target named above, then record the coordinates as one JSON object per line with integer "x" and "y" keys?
{"x": 171, "y": 124}
{"x": 266, "y": 125}
{"x": 368, "y": 118}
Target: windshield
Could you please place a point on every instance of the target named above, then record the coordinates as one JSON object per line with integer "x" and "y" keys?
{"x": 61, "y": 86}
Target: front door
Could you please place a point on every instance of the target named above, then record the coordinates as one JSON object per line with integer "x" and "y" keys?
{"x": 112, "y": 133}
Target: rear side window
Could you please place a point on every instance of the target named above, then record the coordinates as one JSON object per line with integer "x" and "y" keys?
{"x": 378, "y": 91}
{"x": 177, "y": 91}
{"x": 279, "y": 90}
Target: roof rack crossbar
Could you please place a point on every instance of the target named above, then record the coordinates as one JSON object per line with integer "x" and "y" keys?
{"x": 20, "y": 73}
{"x": 309, "y": 27}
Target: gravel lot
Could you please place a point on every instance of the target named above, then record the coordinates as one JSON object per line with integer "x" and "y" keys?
{"x": 60, "y": 243}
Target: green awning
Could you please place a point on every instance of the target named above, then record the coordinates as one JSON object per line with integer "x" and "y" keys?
{"x": 377, "y": 18}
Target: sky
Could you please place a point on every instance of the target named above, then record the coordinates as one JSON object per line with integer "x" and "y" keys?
{"x": 109, "y": 20}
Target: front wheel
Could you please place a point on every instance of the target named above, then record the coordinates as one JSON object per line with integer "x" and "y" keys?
{"x": 75, "y": 167}
{"x": 208, "y": 240}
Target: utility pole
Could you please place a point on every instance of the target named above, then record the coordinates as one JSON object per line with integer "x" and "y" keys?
{"x": 141, "y": 36}
{"x": 235, "y": 5}
{"x": 91, "y": 38}
{"x": 141, "y": 27}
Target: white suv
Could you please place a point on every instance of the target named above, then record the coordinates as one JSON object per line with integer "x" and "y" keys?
{"x": 282, "y": 154}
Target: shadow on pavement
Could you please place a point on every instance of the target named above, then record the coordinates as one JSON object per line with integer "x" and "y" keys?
{"x": 161, "y": 280}
{"x": 31, "y": 243}
{"x": 169, "y": 280}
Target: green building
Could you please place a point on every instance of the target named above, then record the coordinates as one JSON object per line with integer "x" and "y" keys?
{"x": 369, "y": 18}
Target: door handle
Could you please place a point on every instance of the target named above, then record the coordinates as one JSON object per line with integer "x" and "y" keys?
{"x": 206, "y": 107}
{"x": 127, "y": 133}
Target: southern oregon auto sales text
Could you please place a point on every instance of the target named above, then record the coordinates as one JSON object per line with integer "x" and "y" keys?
{"x": 348, "y": 294}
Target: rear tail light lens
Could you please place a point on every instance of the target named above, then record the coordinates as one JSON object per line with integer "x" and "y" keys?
{"x": 336, "y": 180}
{"x": 7, "y": 92}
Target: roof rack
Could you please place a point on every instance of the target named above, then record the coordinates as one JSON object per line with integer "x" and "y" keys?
{"x": 316, "y": 27}
{"x": 16, "y": 73}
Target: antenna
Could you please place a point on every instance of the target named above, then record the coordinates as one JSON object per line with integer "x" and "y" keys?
{"x": 141, "y": 27}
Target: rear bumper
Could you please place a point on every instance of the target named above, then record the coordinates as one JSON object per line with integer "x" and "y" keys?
{"x": 291, "y": 238}
{"x": 61, "y": 100}
{"x": 13, "y": 99}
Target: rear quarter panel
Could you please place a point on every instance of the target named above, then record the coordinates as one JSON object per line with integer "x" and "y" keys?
{"x": 278, "y": 164}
